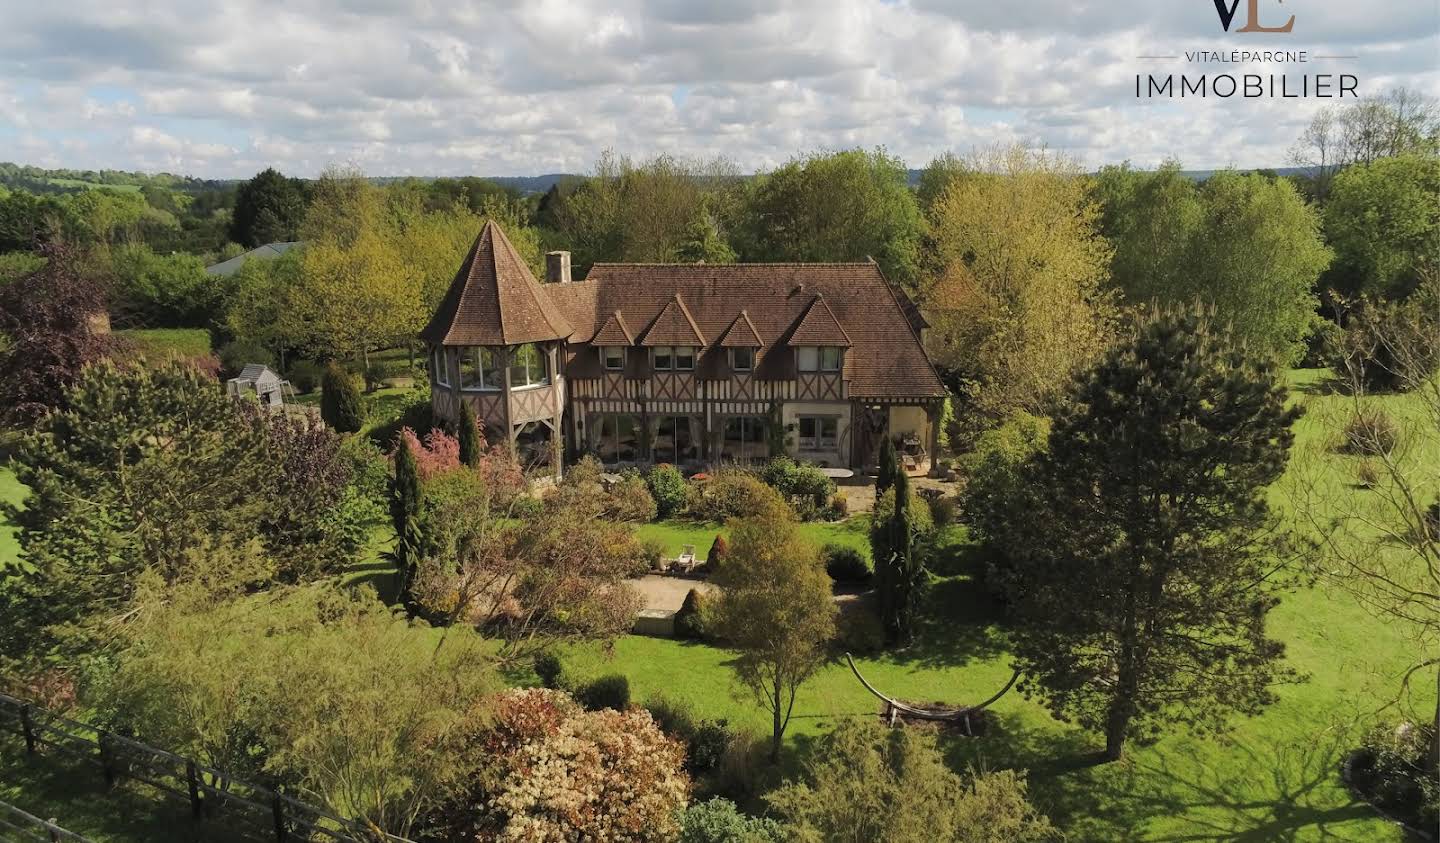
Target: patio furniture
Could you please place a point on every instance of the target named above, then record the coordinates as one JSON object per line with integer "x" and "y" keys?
{"x": 686, "y": 560}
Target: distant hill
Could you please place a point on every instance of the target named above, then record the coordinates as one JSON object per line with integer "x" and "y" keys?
{"x": 42, "y": 180}
{"x": 1197, "y": 175}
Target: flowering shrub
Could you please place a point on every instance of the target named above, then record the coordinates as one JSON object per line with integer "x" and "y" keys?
{"x": 555, "y": 772}
{"x": 438, "y": 453}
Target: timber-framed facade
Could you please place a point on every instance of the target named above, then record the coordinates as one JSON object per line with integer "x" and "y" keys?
{"x": 692, "y": 364}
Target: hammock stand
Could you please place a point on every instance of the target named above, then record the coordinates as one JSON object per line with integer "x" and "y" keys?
{"x": 894, "y": 708}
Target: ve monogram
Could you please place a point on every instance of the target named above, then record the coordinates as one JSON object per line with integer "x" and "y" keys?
{"x": 1227, "y": 14}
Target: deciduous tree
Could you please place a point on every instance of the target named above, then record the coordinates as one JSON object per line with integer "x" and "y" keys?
{"x": 1383, "y": 221}
{"x": 775, "y": 609}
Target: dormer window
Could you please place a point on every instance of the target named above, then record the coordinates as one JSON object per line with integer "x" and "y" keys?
{"x": 823, "y": 358}
{"x": 674, "y": 358}
{"x": 742, "y": 359}
{"x": 613, "y": 357}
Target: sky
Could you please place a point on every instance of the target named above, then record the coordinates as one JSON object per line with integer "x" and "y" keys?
{"x": 451, "y": 87}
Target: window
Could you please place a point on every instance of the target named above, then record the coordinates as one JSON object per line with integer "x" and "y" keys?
{"x": 614, "y": 357}
{"x": 480, "y": 369}
{"x": 819, "y": 433}
{"x": 617, "y": 438}
{"x": 527, "y": 366}
{"x": 819, "y": 358}
{"x": 744, "y": 439}
{"x": 674, "y": 442}
{"x": 440, "y": 367}
{"x": 742, "y": 359}
{"x": 678, "y": 358}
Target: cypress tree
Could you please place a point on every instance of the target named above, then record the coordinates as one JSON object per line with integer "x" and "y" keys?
{"x": 405, "y": 511}
{"x": 889, "y": 467}
{"x": 340, "y": 403}
{"x": 469, "y": 436}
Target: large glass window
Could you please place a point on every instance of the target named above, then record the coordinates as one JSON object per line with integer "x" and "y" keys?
{"x": 744, "y": 439}
{"x": 440, "y": 367}
{"x": 742, "y": 359}
{"x": 676, "y": 358}
{"x": 674, "y": 440}
{"x": 808, "y": 358}
{"x": 819, "y": 433}
{"x": 617, "y": 438}
{"x": 614, "y": 357}
{"x": 480, "y": 369}
{"x": 830, "y": 359}
{"x": 527, "y": 366}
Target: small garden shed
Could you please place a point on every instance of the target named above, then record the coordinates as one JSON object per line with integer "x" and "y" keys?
{"x": 257, "y": 379}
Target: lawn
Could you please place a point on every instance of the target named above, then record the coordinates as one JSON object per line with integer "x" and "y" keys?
{"x": 164, "y": 343}
{"x": 676, "y": 534}
{"x": 1272, "y": 777}
{"x": 11, "y": 492}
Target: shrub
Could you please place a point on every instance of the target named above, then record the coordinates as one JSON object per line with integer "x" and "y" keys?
{"x": 674, "y": 717}
{"x": 630, "y": 500}
{"x": 438, "y": 453}
{"x": 1432, "y": 520}
{"x": 805, "y": 486}
{"x": 1367, "y": 475}
{"x": 719, "y": 821}
{"x": 667, "y": 487}
{"x": 845, "y": 564}
{"x": 550, "y": 670}
{"x": 235, "y": 355}
{"x": 921, "y": 521}
{"x": 340, "y": 404}
{"x": 305, "y": 376}
{"x": 732, "y": 493}
{"x": 1370, "y": 433}
{"x": 690, "y": 619}
{"x": 1389, "y": 771}
{"x": 527, "y": 508}
{"x": 652, "y": 551}
{"x": 611, "y": 691}
{"x": 706, "y": 739}
{"x": 942, "y": 510}
{"x": 861, "y": 632}
{"x": 414, "y": 412}
{"x": 839, "y": 506}
{"x": 743, "y": 772}
{"x": 719, "y": 548}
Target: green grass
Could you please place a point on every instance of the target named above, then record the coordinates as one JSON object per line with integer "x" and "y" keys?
{"x": 163, "y": 343}
{"x": 1272, "y": 777}
{"x": 677, "y": 533}
{"x": 11, "y": 492}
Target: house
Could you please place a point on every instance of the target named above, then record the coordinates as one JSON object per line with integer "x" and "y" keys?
{"x": 265, "y": 252}
{"x": 258, "y": 380}
{"x": 691, "y": 364}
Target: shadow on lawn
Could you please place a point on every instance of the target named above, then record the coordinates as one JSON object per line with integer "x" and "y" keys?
{"x": 1266, "y": 790}
{"x": 959, "y": 626}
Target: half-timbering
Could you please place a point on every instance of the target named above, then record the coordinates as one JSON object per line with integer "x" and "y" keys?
{"x": 691, "y": 364}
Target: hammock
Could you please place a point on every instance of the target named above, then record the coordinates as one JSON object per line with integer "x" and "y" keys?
{"x": 894, "y": 708}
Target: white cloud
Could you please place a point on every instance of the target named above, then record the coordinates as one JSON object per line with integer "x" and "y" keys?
{"x": 511, "y": 87}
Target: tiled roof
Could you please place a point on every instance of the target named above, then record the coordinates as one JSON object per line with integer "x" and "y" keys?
{"x": 819, "y": 326}
{"x": 741, "y": 334}
{"x": 613, "y": 332}
{"x": 674, "y": 326}
{"x": 494, "y": 300}
{"x": 269, "y": 250}
{"x": 885, "y": 356}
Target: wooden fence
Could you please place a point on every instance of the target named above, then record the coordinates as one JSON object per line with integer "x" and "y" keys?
{"x": 15, "y": 824}
{"x": 213, "y": 795}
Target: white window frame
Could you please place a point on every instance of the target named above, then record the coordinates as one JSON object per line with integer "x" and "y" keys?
{"x": 689, "y": 353}
{"x": 492, "y": 377}
{"x": 826, "y": 353}
{"x": 818, "y": 441}
{"x": 441, "y": 364}
{"x": 749, "y": 366}
{"x": 669, "y": 354}
{"x": 542, "y": 354}
{"x": 605, "y": 357}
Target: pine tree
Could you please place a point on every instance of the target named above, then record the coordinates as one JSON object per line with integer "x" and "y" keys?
{"x": 469, "y": 436}
{"x": 405, "y": 511}
{"x": 889, "y": 467}
{"x": 340, "y": 403}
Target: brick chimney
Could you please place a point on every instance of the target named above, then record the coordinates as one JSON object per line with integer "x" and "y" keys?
{"x": 557, "y": 267}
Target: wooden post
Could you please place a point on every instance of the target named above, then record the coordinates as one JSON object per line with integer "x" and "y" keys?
{"x": 27, "y": 724}
{"x": 192, "y": 781}
{"x": 277, "y": 807}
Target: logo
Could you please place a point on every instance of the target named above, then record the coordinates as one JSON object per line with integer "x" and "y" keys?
{"x": 1227, "y": 14}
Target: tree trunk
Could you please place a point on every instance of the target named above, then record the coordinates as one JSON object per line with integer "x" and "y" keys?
{"x": 779, "y": 729}
{"x": 1117, "y": 722}
{"x": 1435, "y": 736}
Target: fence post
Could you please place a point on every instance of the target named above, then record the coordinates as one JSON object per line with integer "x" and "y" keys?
{"x": 192, "y": 781}
{"x": 105, "y": 762}
{"x": 27, "y": 724}
{"x": 277, "y": 807}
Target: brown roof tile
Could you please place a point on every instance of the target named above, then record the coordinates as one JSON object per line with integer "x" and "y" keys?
{"x": 885, "y": 357}
{"x": 613, "y": 332}
{"x": 494, "y": 300}
{"x": 741, "y": 334}
{"x": 674, "y": 325}
{"x": 819, "y": 326}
